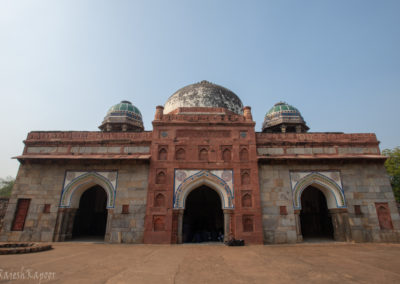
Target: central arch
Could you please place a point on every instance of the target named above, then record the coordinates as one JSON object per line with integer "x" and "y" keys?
{"x": 213, "y": 182}
{"x": 203, "y": 218}
{"x": 208, "y": 179}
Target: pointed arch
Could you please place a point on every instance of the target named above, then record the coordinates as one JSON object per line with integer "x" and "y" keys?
{"x": 180, "y": 154}
{"x": 208, "y": 179}
{"x": 162, "y": 154}
{"x": 332, "y": 191}
{"x": 244, "y": 154}
{"x": 72, "y": 193}
{"x": 226, "y": 155}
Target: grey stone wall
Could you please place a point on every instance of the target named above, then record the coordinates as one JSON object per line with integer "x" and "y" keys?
{"x": 3, "y": 210}
{"x": 43, "y": 182}
{"x": 364, "y": 183}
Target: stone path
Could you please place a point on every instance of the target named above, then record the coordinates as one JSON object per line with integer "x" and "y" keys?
{"x": 302, "y": 263}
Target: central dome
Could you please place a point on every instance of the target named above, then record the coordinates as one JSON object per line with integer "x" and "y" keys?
{"x": 204, "y": 94}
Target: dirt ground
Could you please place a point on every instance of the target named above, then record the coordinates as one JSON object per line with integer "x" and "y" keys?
{"x": 206, "y": 263}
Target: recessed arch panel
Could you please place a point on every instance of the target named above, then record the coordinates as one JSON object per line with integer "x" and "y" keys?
{"x": 333, "y": 192}
{"x": 74, "y": 188}
{"x": 208, "y": 179}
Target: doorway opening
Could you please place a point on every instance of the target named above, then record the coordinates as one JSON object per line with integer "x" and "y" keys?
{"x": 316, "y": 222}
{"x": 203, "y": 218}
{"x": 91, "y": 217}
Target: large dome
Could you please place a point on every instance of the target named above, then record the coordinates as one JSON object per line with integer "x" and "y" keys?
{"x": 204, "y": 94}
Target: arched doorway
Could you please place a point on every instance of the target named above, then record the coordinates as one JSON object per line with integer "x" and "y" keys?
{"x": 91, "y": 216}
{"x": 203, "y": 218}
{"x": 315, "y": 220}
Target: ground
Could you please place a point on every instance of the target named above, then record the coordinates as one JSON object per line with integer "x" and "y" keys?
{"x": 79, "y": 262}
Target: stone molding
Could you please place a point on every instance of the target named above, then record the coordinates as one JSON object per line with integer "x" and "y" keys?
{"x": 329, "y": 182}
{"x": 76, "y": 182}
{"x": 187, "y": 180}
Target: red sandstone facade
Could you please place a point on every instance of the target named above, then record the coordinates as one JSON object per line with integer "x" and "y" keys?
{"x": 219, "y": 141}
{"x": 142, "y": 180}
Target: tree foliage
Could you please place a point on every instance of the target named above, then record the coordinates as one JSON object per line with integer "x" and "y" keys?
{"x": 392, "y": 165}
{"x": 6, "y": 185}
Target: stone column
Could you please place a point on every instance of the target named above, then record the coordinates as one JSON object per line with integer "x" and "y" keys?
{"x": 110, "y": 213}
{"x": 341, "y": 225}
{"x": 227, "y": 224}
{"x": 64, "y": 224}
{"x": 58, "y": 226}
{"x": 298, "y": 226}
{"x": 180, "y": 225}
{"x": 70, "y": 223}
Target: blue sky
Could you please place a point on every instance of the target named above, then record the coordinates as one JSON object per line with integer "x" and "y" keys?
{"x": 64, "y": 63}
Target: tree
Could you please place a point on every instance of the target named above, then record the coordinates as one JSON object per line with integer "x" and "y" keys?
{"x": 392, "y": 165}
{"x": 6, "y": 185}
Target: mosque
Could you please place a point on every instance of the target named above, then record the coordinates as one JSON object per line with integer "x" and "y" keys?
{"x": 202, "y": 174}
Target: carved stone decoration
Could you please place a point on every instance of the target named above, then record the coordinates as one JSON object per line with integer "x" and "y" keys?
{"x": 219, "y": 180}
{"x": 203, "y": 154}
{"x": 383, "y": 212}
{"x": 246, "y": 200}
{"x": 244, "y": 154}
{"x": 245, "y": 177}
{"x": 248, "y": 225}
{"x": 226, "y": 155}
{"x": 162, "y": 154}
{"x": 180, "y": 154}
{"x": 159, "y": 223}
{"x": 159, "y": 200}
{"x": 161, "y": 177}
{"x": 328, "y": 182}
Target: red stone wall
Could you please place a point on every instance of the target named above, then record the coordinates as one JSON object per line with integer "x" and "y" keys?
{"x": 203, "y": 141}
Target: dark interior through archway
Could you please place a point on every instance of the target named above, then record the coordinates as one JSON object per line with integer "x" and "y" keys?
{"x": 314, "y": 216}
{"x": 203, "y": 219}
{"x": 91, "y": 216}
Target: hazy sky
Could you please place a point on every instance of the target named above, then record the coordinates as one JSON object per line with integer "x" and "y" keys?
{"x": 64, "y": 63}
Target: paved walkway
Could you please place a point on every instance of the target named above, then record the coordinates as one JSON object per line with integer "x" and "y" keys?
{"x": 302, "y": 263}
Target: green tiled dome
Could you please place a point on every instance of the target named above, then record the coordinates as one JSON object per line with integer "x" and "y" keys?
{"x": 283, "y": 117}
{"x": 124, "y": 106}
{"x": 281, "y": 106}
{"x": 123, "y": 117}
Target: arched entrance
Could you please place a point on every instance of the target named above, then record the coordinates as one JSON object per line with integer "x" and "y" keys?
{"x": 91, "y": 216}
{"x": 84, "y": 208}
{"x": 325, "y": 212}
{"x": 203, "y": 218}
{"x": 315, "y": 219}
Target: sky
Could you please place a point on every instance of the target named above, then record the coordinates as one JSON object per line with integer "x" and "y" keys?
{"x": 63, "y": 64}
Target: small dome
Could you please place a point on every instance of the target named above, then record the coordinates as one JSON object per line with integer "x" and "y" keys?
{"x": 123, "y": 117}
{"x": 283, "y": 117}
{"x": 204, "y": 94}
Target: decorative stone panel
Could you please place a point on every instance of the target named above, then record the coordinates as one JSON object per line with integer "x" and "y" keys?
{"x": 187, "y": 180}
{"x": 79, "y": 181}
{"x": 329, "y": 182}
